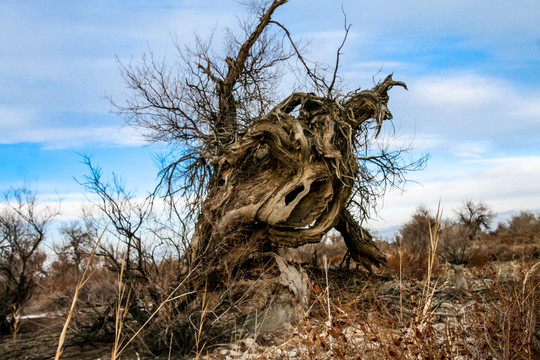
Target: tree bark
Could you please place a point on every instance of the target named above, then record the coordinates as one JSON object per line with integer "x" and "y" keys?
{"x": 226, "y": 123}
{"x": 287, "y": 181}
{"x": 359, "y": 242}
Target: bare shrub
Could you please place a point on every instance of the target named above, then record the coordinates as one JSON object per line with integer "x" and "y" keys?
{"x": 23, "y": 228}
{"x": 505, "y": 320}
{"x": 456, "y": 246}
{"x": 414, "y": 235}
{"x": 502, "y": 248}
{"x": 479, "y": 258}
{"x": 63, "y": 273}
{"x": 145, "y": 280}
{"x": 411, "y": 265}
{"x": 413, "y": 243}
{"x": 474, "y": 217}
{"x": 524, "y": 227}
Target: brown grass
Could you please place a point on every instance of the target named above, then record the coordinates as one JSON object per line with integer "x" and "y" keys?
{"x": 408, "y": 318}
{"x": 500, "y": 321}
{"x": 82, "y": 281}
{"x": 393, "y": 314}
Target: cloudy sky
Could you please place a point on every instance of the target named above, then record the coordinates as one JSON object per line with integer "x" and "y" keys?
{"x": 472, "y": 68}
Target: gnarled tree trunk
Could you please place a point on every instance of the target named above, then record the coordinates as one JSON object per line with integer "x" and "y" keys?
{"x": 260, "y": 178}
{"x": 287, "y": 181}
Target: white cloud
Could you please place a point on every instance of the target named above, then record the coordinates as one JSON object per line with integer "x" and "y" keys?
{"x": 506, "y": 28}
{"x": 73, "y": 137}
{"x": 471, "y": 149}
{"x": 465, "y": 91}
{"x": 13, "y": 117}
{"x": 59, "y": 58}
{"x": 503, "y": 183}
{"x": 460, "y": 106}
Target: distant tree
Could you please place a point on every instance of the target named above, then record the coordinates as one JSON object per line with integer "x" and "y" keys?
{"x": 414, "y": 235}
{"x": 457, "y": 236}
{"x": 475, "y": 217}
{"x": 413, "y": 241}
{"x": 72, "y": 249}
{"x": 454, "y": 243}
{"x": 78, "y": 240}
{"x": 525, "y": 224}
{"x": 23, "y": 228}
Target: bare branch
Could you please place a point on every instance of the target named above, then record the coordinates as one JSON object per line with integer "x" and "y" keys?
{"x": 338, "y": 53}
{"x": 318, "y": 81}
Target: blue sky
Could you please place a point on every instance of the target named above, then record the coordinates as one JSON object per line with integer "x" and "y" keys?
{"x": 472, "y": 68}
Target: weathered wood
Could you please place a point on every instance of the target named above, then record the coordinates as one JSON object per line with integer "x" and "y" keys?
{"x": 287, "y": 180}
{"x": 359, "y": 242}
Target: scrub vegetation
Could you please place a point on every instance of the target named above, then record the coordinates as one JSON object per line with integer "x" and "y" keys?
{"x": 255, "y": 243}
{"x": 425, "y": 301}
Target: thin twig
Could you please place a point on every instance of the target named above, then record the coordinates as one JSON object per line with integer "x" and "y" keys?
{"x": 338, "y": 54}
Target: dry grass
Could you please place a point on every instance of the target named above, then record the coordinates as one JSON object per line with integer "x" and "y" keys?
{"x": 500, "y": 321}
{"x": 394, "y": 314}
{"x": 82, "y": 281}
{"x": 122, "y": 310}
{"x": 422, "y": 319}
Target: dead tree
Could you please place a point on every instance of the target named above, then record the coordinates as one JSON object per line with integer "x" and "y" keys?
{"x": 288, "y": 180}
{"x": 258, "y": 173}
{"x": 285, "y": 175}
